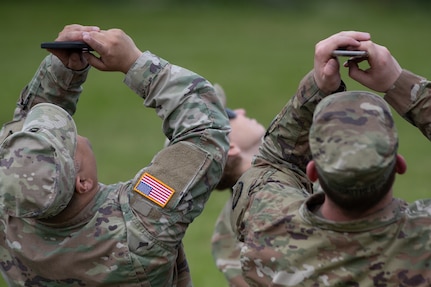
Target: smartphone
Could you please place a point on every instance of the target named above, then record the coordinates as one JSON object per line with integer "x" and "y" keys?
{"x": 347, "y": 53}
{"x": 70, "y": 45}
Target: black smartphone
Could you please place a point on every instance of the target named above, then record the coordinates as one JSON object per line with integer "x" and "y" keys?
{"x": 70, "y": 45}
{"x": 347, "y": 53}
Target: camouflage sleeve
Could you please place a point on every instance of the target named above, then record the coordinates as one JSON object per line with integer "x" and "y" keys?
{"x": 411, "y": 98}
{"x": 186, "y": 170}
{"x": 176, "y": 93}
{"x": 286, "y": 140}
{"x": 52, "y": 83}
{"x": 225, "y": 248}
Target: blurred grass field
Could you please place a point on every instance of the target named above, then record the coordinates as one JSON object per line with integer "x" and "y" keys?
{"x": 258, "y": 53}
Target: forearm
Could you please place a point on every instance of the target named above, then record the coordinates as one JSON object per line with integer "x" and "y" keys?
{"x": 411, "y": 98}
{"x": 286, "y": 141}
{"x": 185, "y": 101}
{"x": 52, "y": 83}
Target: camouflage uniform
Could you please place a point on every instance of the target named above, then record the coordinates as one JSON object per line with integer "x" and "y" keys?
{"x": 126, "y": 236}
{"x": 288, "y": 243}
{"x": 225, "y": 248}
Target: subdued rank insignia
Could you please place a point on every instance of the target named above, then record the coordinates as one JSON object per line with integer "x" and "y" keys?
{"x": 154, "y": 189}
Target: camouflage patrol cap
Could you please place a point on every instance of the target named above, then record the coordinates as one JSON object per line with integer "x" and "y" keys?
{"x": 354, "y": 142}
{"x": 37, "y": 169}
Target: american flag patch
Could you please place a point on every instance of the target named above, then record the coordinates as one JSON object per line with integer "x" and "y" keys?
{"x": 154, "y": 189}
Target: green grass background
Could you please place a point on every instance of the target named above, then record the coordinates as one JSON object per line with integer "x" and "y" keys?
{"x": 257, "y": 50}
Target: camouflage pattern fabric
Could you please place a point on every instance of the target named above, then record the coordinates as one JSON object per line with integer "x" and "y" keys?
{"x": 415, "y": 108}
{"x": 354, "y": 142}
{"x": 37, "y": 168}
{"x": 225, "y": 248}
{"x": 123, "y": 238}
{"x": 287, "y": 243}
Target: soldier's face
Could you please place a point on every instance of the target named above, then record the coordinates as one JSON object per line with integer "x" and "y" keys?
{"x": 246, "y": 133}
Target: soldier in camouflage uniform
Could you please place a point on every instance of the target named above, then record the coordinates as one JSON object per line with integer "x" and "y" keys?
{"x": 60, "y": 226}
{"x": 351, "y": 231}
{"x": 245, "y": 138}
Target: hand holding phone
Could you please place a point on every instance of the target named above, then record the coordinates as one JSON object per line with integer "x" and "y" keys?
{"x": 64, "y": 49}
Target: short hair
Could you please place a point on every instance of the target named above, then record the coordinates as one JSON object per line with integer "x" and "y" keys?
{"x": 363, "y": 201}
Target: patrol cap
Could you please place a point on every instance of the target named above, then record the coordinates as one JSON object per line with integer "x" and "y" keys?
{"x": 354, "y": 142}
{"x": 37, "y": 168}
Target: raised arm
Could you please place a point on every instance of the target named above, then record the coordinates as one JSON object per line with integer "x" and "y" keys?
{"x": 279, "y": 171}
{"x": 409, "y": 94}
{"x": 58, "y": 80}
{"x": 411, "y": 98}
{"x": 286, "y": 141}
{"x": 52, "y": 83}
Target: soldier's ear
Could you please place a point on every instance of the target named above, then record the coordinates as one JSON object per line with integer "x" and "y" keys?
{"x": 83, "y": 185}
{"x": 401, "y": 165}
{"x": 234, "y": 150}
{"x": 312, "y": 171}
